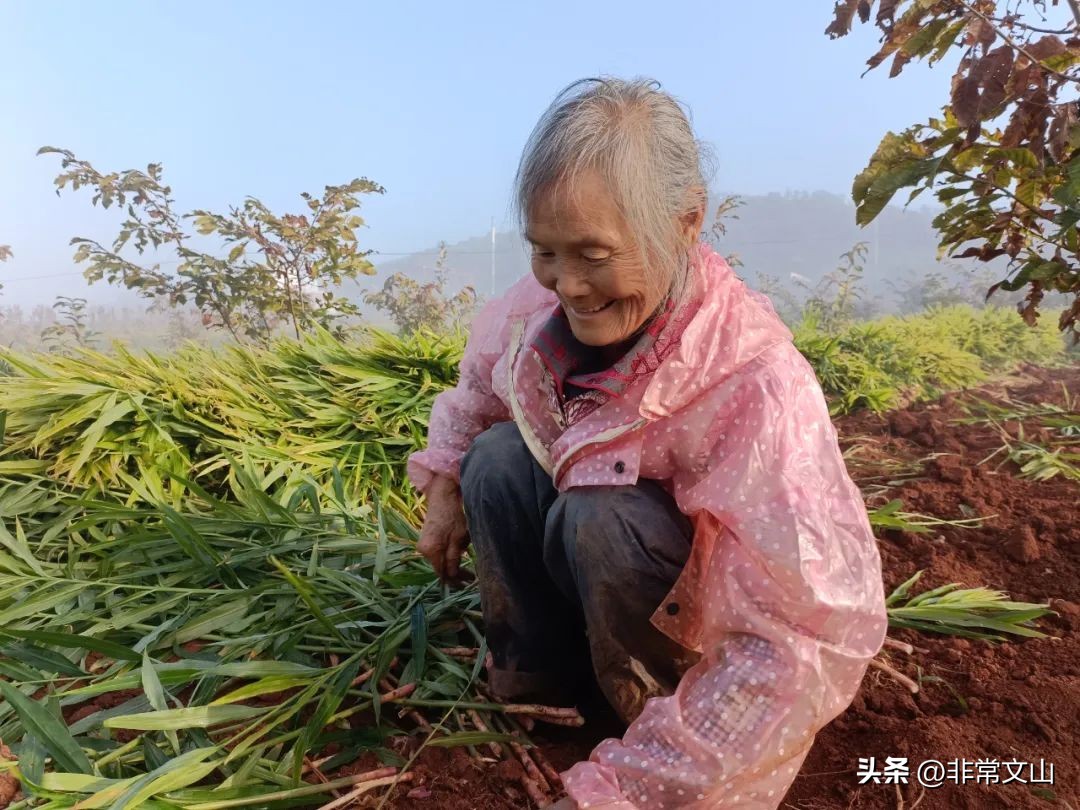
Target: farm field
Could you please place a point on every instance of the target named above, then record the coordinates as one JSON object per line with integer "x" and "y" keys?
{"x": 209, "y": 596}
{"x": 256, "y": 299}
{"x": 1017, "y": 701}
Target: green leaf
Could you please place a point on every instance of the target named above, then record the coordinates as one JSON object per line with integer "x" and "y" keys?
{"x": 1063, "y": 61}
{"x": 155, "y": 693}
{"x": 933, "y": 593}
{"x": 463, "y": 738}
{"x": 190, "y": 717}
{"x": 263, "y": 669}
{"x": 178, "y": 674}
{"x": 264, "y": 686}
{"x": 226, "y": 615}
{"x": 924, "y": 40}
{"x": 419, "y": 640}
{"x": 382, "y": 550}
{"x": 903, "y": 589}
{"x": 76, "y": 782}
{"x": 107, "y": 648}
{"x": 969, "y": 158}
{"x": 328, "y": 705}
{"x": 1028, "y": 192}
{"x": 884, "y": 187}
{"x": 47, "y": 661}
{"x": 52, "y": 733}
{"x": 184, "y": 770}
{"x": 32, "y": 759}
{"x": 20, "y": 549}
{"x": 948, "y": 39}
{"x": 309, "y": 599}
{"x": 190, "y": 540}
{"x": 153, "y": 756}
{"x": 39, "y": 603}
{"x": 1019, "y": 157}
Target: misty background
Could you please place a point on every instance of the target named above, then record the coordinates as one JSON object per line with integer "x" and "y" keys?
{"x": 434, "y": 103}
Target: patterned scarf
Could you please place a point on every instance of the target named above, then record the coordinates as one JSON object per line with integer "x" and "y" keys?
{"x": 575, "y": 389}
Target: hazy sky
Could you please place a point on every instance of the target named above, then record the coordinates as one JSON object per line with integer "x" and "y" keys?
{"x": 432, "y": 100}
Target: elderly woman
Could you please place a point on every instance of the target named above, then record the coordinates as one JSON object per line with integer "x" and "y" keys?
{"x": 647, "y": 472}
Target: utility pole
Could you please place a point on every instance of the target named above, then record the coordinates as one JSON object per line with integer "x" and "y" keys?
{"x": 877, "y": 242}
{"x": 493, "y": 257}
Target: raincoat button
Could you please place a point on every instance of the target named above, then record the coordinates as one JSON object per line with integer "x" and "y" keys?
{"x": 673, "y": 608}
{"x": 620, "y": 468}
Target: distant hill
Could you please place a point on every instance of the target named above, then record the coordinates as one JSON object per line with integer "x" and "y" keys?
{"x": 776, "y": 234}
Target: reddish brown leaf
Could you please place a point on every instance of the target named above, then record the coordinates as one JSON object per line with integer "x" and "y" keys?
{"x": 1069, "y": 318}
{"x": 886, "y": 12}
{"x": 1022, "y": 79}
{"x": 1037, "y": 145}
{"x": 1046, "y": 47}
{"x": 1014, "y": 243}
{"x": 898, "y": 63}
{"x": 994, "y": 70}
{"x": 864, "y": 10}
{"x": 983, "y": 253}
{"x": 1002, "y": 219}
{"x": 1027, "y": 123}
{"x": 843, "y": 16}
{"x": 896, "y": 39}
{"x": 1029, "y": 308}
{"x": 965, "y": 99}
{"x": 1061, "y": 123}
{"x": 979, "y": 32}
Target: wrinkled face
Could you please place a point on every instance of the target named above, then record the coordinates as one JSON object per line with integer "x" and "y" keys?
{"x": 583, "y": 250}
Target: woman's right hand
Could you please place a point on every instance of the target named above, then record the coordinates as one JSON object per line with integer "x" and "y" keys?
{"x": 444, "y": 535}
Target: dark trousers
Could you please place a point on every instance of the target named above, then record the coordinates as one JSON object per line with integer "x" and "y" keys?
{"x": 565, "y": 578}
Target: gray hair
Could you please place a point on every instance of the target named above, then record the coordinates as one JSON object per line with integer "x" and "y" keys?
{"x": 640, "y": 140}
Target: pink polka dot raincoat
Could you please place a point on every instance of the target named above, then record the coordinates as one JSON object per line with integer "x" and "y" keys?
{"x": 782, "y": 594}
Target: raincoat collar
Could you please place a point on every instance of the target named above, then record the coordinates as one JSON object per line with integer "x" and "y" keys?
{"x": 732, "y": 326}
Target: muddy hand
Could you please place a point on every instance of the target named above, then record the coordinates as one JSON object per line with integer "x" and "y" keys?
{"x": 444, "y": 536}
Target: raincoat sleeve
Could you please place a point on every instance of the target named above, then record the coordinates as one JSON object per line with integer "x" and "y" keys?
{"x": 789, "y": 610}
{"x": 462, "y": 413}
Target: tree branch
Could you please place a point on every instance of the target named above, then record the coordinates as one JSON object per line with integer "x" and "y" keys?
{"x": 1016, "y": 46}
{"x": 1009, "y": 23}
{"x": 1074, "y": 6}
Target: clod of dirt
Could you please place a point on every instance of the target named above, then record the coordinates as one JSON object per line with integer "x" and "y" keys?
{"x": 1067, "y": 608}
{"x": 9, "y": 785}
{"x": 510, "y": 770}
{"x": 952, "y": 469}
{"x": 903, "y": 423}
{"x": 1023, "y": 546}
{"x": 926, "y": 429}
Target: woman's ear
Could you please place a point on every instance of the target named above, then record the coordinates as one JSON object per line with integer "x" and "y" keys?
{"x": 691, "y": 223}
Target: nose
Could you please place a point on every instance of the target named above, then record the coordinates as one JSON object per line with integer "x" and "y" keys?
{"x": 570, "y": 285}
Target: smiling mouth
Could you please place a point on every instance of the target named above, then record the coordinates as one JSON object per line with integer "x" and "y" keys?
{"x": 579, "y": 311}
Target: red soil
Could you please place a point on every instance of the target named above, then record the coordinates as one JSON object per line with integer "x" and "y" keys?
{"x": 1014, "y": 701}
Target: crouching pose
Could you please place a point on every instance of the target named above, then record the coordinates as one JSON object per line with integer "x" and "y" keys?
{"x": 646, "y": 469}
